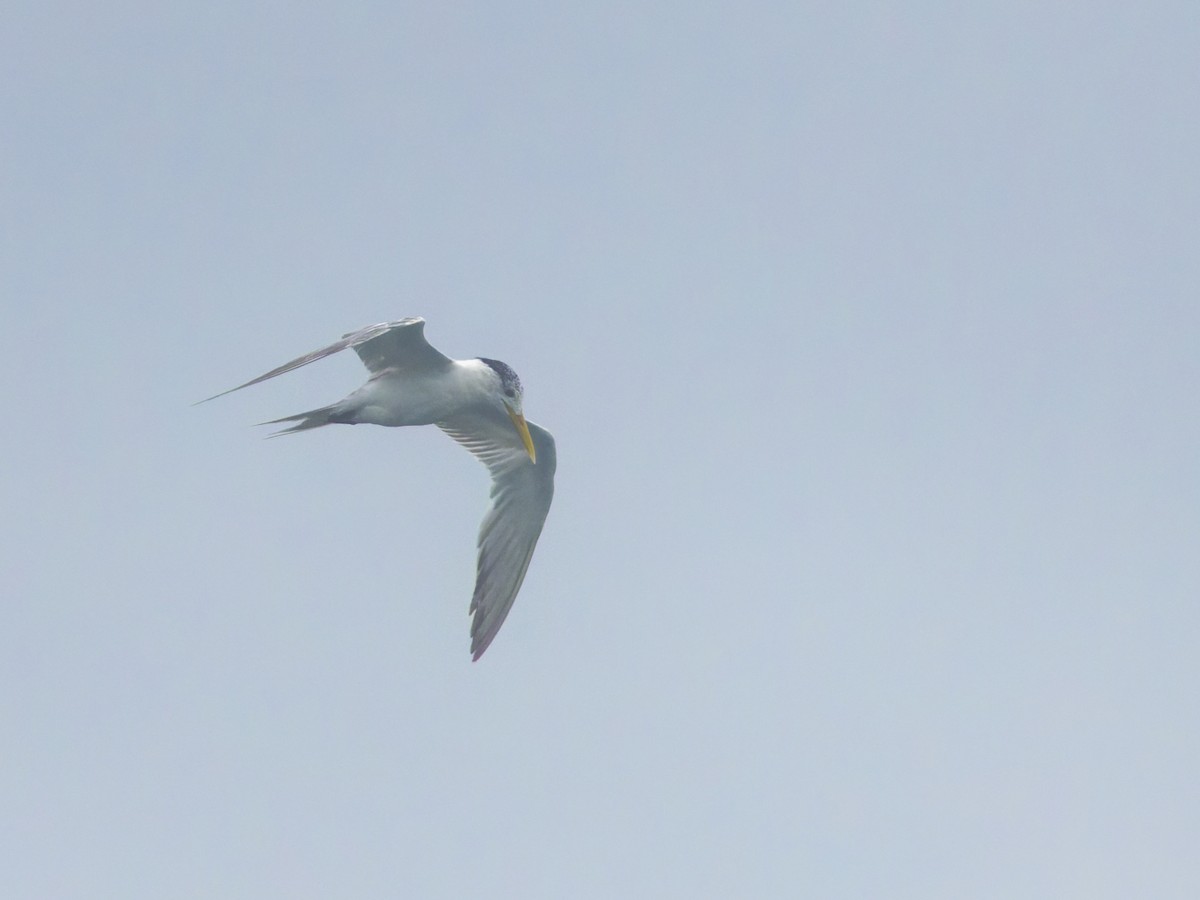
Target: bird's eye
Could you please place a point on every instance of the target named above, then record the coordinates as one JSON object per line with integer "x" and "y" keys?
{"x": 509, "y": 392}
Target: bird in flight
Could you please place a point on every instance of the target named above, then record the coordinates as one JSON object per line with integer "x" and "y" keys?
{"x": 478, "y": 402}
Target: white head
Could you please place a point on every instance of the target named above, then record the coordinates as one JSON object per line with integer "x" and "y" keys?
{"x": 510, "y": 395}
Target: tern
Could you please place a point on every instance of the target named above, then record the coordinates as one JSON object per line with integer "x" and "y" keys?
{"x": 478, "y": 402}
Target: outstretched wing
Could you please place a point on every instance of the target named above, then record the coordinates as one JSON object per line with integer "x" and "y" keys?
{"x": 389, "y": 345}
{"x": 521, "y": 495}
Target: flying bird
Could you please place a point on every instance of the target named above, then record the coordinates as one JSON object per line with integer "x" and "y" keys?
{"x": 478, "y": 402}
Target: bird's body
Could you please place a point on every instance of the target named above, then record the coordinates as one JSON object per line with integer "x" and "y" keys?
{"x": 478, "y": 402}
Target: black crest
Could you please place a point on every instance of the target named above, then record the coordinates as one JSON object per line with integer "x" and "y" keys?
{"x": 508, "y": 378}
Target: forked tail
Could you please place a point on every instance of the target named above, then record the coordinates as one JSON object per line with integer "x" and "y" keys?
{"x": 314, "y": 418}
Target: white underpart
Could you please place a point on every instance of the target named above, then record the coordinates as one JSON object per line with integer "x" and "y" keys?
{"x": 398, "y": 397}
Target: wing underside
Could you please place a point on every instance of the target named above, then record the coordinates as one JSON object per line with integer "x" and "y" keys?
{"x": 521, "y": 495}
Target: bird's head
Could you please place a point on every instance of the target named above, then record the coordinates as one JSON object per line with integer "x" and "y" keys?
{"x": 508, "y": 392}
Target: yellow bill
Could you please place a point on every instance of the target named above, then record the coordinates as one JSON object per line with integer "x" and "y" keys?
{"x": 518, "y": 420}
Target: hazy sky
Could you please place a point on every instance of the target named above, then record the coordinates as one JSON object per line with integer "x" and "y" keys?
{"x": 870, "y": 337}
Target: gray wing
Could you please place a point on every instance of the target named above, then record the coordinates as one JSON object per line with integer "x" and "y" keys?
{"x": 389, "y": 345}
{"x": 521, "y": 496}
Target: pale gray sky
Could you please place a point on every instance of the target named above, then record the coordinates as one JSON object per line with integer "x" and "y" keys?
{"x": 869, "y": 335}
